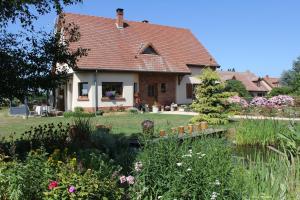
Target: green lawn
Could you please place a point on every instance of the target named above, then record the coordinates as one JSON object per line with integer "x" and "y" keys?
{"x": 125, "y": 123}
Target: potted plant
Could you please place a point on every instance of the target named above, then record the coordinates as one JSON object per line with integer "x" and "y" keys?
{"x": 110, "y": 94}
{"x": 155, "y": 107}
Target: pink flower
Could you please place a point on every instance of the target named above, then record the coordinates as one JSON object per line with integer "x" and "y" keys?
{"x": 138, "y": 166}
{"x": 72, "y": 189}
{"x": 52, "y": 185}
{"x": 130, "y": 180}
{"x": 122, "y": 179}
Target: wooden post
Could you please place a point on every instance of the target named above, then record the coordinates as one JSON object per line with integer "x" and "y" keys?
{"x": 181, "y": 130}
{"x": 162, "y": 133}
{"x": 203, "y": 125}
{"x": 191, "y": 129}
{"x": 198, "y": 127}
{"x": 173, "y": 130}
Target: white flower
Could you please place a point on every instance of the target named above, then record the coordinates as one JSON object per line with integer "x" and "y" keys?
{"x": 214, "y": 195}
{"x": 190, "y": 151}
{"x": 187, "y": 155}
{"x": 179, "y": 164}
{"x": 189, "y": 169}
{"x": 217, "y": 182}
{"x": 203, "y": 154}
{"x": 198, "y": 153}
{"x": 159, "y": 197}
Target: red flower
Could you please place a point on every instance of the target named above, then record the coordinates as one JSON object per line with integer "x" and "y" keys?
{"x": 52, "y": 184}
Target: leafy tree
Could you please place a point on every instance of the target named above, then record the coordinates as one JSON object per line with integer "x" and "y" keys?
{"x": 236, "y": 86}
{"x": 210, "y": 99}
{"x": 291, "y": 78}
{"x": 280, "y": 91}
{"x": 27, "y": 58}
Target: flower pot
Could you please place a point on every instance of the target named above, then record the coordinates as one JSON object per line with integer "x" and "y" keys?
{"x": 155, "y": 109}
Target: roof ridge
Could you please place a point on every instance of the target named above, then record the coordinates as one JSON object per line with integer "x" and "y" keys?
{"x": 125, "y": 20}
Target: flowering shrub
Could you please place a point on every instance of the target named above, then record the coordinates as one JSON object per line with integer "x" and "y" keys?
{"x": 258, "y": 101}
{"x": 192, "y": 170}
{"x": 238, "y": 100}
{"x": 281, "y": 100}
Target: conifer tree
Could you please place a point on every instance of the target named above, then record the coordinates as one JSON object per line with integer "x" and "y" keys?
{"x": 210, "y": 99}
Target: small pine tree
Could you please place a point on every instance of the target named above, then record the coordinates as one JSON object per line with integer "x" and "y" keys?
{"x": 210, "y": 99}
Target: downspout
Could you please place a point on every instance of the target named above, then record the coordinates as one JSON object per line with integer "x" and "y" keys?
{"x": 96, "y": 93}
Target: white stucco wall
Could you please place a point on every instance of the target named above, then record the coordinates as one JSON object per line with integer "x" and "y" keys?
{"x": 181, "y": 89}
{"x": 127, "y": 79}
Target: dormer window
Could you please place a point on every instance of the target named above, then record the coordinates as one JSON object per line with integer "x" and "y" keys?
{"x": 149, "y": 50}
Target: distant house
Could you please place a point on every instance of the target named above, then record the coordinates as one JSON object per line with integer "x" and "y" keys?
{"x": 254, "y": 85}
{"x": 271, "y": 82}
{"x": 132, "y": 61}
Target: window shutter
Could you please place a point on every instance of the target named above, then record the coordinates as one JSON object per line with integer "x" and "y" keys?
{"x": 189, "y": 91}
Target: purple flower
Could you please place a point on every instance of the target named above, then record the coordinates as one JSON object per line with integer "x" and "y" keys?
{"x": 259, "y": 101}
{"x": 138, "y": 166}
{"x": 72, "y": 189}
{"x": 130, "y": 180}
{"x": 122, "y": 179}
{"x": 238, "y": 100}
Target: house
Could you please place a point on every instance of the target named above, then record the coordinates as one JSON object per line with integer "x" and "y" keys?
{"x": 131, "y": 61}
{"x": 271, "y": 82}
{"x": 254, "y": 85}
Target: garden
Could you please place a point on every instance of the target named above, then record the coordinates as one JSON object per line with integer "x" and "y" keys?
{"x": 129, "y": 155}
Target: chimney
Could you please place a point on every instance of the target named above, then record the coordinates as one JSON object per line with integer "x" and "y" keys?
{"x": 119, "y": 20}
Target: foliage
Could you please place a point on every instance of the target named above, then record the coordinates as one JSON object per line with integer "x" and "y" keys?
{"x": 261, "y": 132}
{"x": 28, "y": 57}
{"x": 291, "y": 78}
{"x": 210, "y": 99}
{"x": 54, "y": 178}
{"x": 201, "y": 169}
{"x": 50, "y": 136}
{"x": 237, "y": 87}
{"x": 78, "y": 114}
{"x": 284, "y": 90}
{"x": 274, "y": 178}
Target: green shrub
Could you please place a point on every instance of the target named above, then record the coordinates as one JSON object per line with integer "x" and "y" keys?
{"x": 78, "y": 109}
{"x": 191, "y": 170}
{"x": 78, "y": 114}
{"x": 99, "y": 112}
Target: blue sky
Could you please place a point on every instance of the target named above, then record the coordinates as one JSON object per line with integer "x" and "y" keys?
{"x": 262, "y": 36}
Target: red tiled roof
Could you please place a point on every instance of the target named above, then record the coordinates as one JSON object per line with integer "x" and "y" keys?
{"x": 119, "y": 49}
{"x": 247, "y": 78}
{"x": 271, "y": 81}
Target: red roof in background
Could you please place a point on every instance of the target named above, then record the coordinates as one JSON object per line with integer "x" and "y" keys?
{"x": 119, "y": 49}
{"x": 247, "y": 78}
{"x": 272, "y": 81}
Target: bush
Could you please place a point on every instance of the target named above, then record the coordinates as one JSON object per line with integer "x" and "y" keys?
{"x": 258, "y": 101}
{"x": 210, "y": 99}
{"x": 78, "y": 114}
{"x": 78, "y": 109}
{"x": 191, "y": 170}
{"x": 280, "y": 91}
{"x": 237, "y": 87}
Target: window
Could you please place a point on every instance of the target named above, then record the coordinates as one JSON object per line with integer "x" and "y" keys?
{"x": 83, "y": 89}
{"x": 112, "y": 89}
{"x": 190, "y": 90}
{"x": 151, "y": 90}
{"x": 149, "y": 50}
{"x": 135, "y": 88}
{"x": 163, "y": 88}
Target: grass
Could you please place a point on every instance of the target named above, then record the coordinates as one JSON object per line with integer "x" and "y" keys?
{"x": 260, "y": 132}
{"x": 126, "y": 123}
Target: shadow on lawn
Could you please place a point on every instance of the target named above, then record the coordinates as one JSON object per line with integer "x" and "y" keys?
{"x": 51, "y": 137}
